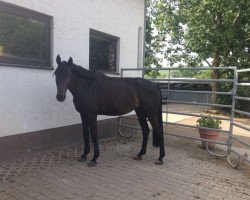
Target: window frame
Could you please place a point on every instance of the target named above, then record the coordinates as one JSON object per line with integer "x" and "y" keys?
{"x": 117, "y": 50}
{"x": 47, "y": 20}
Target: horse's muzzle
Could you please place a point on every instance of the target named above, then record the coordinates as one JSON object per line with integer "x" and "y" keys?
{"x": 60, "y": 98}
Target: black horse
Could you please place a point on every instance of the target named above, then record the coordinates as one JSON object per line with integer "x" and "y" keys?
{"x": 97, "y": 94}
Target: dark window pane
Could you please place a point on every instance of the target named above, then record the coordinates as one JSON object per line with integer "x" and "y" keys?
{"x": 21, "y": 37}
{"x": 25, "y": 37}
{"x": 102, "y": 52}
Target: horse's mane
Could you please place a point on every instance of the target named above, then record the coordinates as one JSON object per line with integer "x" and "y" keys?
{"x": 84, "y": 73}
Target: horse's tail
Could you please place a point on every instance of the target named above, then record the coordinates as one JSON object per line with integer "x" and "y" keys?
{"x": 157, "y": 137}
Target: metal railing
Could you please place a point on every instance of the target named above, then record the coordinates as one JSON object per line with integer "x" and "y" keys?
{"x": 232, "y": 137}
{"x": 130, "y": 130}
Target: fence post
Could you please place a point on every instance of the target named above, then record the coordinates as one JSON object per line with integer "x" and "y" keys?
{"x": 234, "y": 92}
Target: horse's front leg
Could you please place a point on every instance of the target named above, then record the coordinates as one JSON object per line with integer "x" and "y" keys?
{"x": 94, "y": 136}
{"x": 85, "y": 129}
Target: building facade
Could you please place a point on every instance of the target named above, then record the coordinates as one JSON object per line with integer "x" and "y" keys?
{"x": 30, "y": 116}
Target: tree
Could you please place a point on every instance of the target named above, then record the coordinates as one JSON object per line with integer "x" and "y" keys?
{"x": 152, "y": 44}
{"x": 190, "y": 32}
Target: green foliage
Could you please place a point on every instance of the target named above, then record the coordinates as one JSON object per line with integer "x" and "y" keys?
{"x": 203, "y": 74}
{"x": 152, "y": 73}
{"x": 156, "y": 74}
{"x": 209, "y": 122}
{"x": 164, "y": 74}
{"x": 152, "y": 42}
{"x": 191, "y": 31}
{"x": 226, "y": 87}
{"x": 241, "y": 104}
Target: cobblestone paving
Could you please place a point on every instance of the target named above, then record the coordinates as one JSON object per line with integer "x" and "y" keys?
{"x": 188, "y": 173}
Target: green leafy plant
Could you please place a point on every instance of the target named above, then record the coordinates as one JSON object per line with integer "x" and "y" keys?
{"x": 209, "y": 122}
{"x": 189, "y": 33}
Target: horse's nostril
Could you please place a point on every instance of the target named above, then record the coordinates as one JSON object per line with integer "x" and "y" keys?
{"x": 60, "y": 98}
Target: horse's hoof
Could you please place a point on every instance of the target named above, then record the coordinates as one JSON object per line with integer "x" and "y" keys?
{"x": 158, "y": 162}
{"x": 91, "y": 164}
{"x": 82, "y": 159}
{"x": 137, "y": 157}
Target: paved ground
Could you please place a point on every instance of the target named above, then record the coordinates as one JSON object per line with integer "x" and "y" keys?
{"x": 188, "y": 173}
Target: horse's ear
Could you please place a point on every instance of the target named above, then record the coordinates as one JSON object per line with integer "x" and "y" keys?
{"x": 70, "y": 61}
{"x": 58, "y": 59}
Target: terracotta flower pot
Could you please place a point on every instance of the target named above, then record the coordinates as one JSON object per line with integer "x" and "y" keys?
{"x": 209, "y": 135}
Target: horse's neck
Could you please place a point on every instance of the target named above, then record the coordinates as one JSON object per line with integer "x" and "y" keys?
{"x": 78, "y": 85}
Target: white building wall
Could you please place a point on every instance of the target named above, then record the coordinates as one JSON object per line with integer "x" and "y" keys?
{"x": 27, "y": 96}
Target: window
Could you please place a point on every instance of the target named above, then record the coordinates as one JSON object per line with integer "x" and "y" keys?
{"x": 103, "y": 51}
{"x": 25, "y": 37}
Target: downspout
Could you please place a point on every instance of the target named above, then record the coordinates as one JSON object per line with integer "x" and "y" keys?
{"x": 144, "y": 38}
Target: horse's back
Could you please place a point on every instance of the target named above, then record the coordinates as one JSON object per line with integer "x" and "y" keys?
{"x": 118, "y": 96}
{"x": 146, "y": 93}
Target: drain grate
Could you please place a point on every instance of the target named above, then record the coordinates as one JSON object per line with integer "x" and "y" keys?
{"x": 12, "y": 169}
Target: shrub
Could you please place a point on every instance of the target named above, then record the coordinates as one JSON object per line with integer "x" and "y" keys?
{"x": 209, "y": 122}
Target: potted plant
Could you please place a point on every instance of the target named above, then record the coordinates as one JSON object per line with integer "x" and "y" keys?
{"x": 208, "y": 122}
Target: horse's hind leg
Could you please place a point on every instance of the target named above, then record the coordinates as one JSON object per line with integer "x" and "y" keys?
{"x": 85, "y": 129}
{"x": 158, "y": 137}
{"x": 145, "y": 131}
{"x": 94, "y": 136}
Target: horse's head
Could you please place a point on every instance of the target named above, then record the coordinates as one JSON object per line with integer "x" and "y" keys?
{"x": 63, "y": 75}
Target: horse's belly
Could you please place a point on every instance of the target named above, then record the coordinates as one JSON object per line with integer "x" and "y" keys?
{"x": 113, "y": 112}
{"x": 117, "y": 110}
